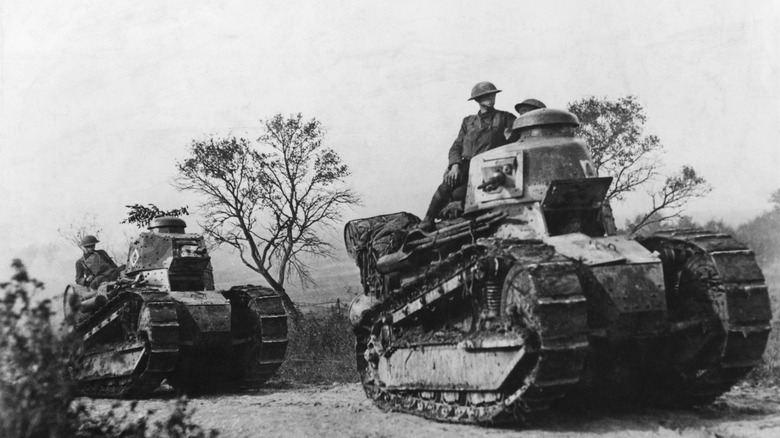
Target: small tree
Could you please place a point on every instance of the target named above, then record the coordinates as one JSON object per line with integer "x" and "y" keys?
{"x": 668, "y": 201}
{"x": 270, "y": 199}
{"x": 77, "y": 230}
{"x": 762, "y": 236}
{"x": 614, "y": 131}
{"x": 141, "y": 215}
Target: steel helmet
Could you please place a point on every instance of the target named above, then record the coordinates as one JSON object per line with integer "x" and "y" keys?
{"x": 89, "y": 240}
{"x": 483, "y": 89}
{"x": 533, "y": 103}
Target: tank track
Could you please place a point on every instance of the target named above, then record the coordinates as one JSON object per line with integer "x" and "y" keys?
{"x": 260, "y": 356}
{"x": 555, "y": 357}
{"x": 147, "y": 320}
{"x": 727, "y": 312}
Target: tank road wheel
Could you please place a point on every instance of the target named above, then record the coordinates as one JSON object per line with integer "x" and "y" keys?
{"x": 719, "y": 314}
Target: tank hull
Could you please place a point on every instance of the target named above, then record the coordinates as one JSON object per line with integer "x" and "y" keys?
{"x": 500, "y": 329}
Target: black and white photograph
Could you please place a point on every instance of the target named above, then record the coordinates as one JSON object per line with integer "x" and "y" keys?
{"x": 390, "y": 219}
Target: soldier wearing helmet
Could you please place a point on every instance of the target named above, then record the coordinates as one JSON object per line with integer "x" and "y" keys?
{"x": 529, "y": 105}
{"x": 481, "y": 132}
{"x": 95, "y": 266}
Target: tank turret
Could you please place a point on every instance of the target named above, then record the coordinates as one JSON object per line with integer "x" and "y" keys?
{"x": 167, "y": 257}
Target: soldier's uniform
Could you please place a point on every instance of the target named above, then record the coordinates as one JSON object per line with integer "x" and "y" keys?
{"x": 96, "y": 266}
{"x": 478, "y": 133}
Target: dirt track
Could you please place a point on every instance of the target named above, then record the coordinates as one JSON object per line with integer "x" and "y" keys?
{"x": 344, "y": 411}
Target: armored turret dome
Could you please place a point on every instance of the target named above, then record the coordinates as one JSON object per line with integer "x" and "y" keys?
{"x": 545, "y": 116}
{"x": 168, "y": 224}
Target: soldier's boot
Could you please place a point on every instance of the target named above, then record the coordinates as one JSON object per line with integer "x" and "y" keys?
{"x": 438, "y": 201}
{"x": 427, "y": 225}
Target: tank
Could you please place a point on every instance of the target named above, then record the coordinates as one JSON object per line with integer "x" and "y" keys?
{"x": 163, "y": 320}
{"x": 530, "y": 296}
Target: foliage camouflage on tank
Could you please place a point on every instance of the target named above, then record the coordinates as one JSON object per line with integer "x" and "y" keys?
{"x": 163, "y": 320}
{"x": 531, "y": 295}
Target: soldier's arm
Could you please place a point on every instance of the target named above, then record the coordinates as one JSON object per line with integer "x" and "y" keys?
{"x": 456, "y": 150}
{"x": 107, "y": 258}
{"x": 79, "y": 273}
{"x": 510, "y": 136}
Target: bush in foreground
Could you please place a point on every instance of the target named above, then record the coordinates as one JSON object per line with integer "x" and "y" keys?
{"x": 34, "y": 389}
{"x": 132, "y": 423}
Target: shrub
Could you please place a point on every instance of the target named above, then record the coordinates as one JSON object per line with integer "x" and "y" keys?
{"x": 321, "y": 349}
{"x": 34, "y": 389}
{"x": 132, "y": 423}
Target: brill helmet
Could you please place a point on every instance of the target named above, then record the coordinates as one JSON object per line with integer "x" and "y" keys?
{"x": 483, "y": 89}
{"x": 89, "y": 240}
{"x": 531, "y": 104}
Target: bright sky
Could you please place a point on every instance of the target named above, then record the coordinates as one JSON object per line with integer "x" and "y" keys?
{"x": 99, "y": 99}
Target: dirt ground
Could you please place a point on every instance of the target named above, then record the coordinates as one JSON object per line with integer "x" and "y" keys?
{"x": 343, "y": 411}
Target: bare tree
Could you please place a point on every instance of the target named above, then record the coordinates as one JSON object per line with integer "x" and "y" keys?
{"x": 668, "y": 201}
{"x": 270, "y": 199}
{"x": 76, "y": 231}
{"x": 614, "y": 131}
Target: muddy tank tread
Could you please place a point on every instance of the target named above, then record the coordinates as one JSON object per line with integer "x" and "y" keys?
{"x": 740, "y": 295}
{"x": 557, "y": 360}
{"x": 159, "y": 343}
{"x": 268, "y": 352}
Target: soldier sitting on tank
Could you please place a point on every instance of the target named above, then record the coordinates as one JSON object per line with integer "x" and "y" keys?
{"x": 481, "y": 132}
{"x": 95, "y": 266}
{"x": 528, "y": 105}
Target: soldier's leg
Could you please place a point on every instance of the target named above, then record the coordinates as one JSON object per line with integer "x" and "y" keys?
{"x": 439, "y": 200}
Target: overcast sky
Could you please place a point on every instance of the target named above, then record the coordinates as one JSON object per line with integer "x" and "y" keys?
{"x": 98, "y": 100}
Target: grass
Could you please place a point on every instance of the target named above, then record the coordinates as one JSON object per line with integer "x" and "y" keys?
{"x": 321, "y": 349}
{"x": 768, "y": 374}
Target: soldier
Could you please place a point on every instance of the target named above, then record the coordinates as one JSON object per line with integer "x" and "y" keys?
{"x": 528, "y": 105}
{"x": 481, "y": 132}
{"x": 95, "y": 266}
